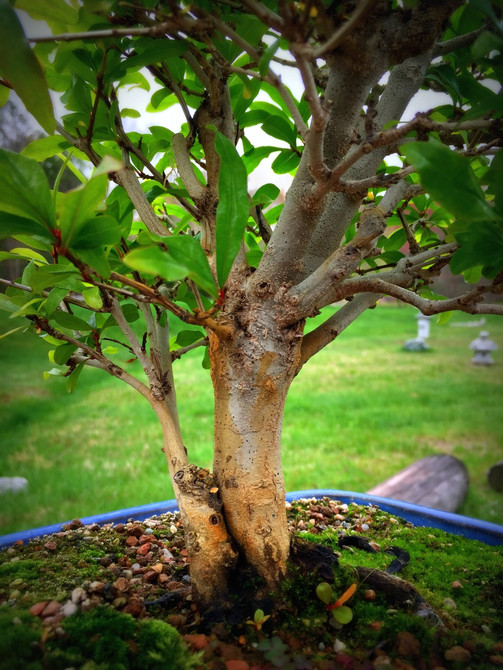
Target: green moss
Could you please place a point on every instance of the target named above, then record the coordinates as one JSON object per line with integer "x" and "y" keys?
{"x": 106, "y": 639}
{"x": 23, "y": 569}
{"x": 20, "y": 647}
{"x": 161, "y": 646}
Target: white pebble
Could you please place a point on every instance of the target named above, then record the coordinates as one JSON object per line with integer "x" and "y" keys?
{"x": 69, "y": 608}
{"x": 339, "y": 645}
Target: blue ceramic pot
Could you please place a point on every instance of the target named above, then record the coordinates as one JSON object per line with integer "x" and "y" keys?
{"x": 475, "y": 529}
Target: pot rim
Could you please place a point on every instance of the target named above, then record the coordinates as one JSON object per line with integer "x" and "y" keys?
{"x": 474, "y": 529}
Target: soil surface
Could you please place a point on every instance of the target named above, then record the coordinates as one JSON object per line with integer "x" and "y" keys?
{"x": 416, "y": 598}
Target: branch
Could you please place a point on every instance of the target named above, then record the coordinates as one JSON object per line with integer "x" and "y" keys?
{"x": 275, "y": 80}
{"x": 178, "y": 353}
{"x": 153, "y": 31}
{"x": 320, "y": 116}
{"x": 340, "y": 35}
{"x": 320, "y": 287}
{"x": 72, "y": 300}
{"x": 94, "y": 358}
{"x": 198, "y": 318}
{"x": 413, "y": 245}
{"x": 194, "y": 187}
{"x": 459, "y": 42}
{"x": 318, "y": 338}
{"x": 131, "y": 184}
{"x": 115, "y": 371}
{"x": 469, "y": 302}
{"x": 266, "y": 15}
{"x": 394, "y": 135}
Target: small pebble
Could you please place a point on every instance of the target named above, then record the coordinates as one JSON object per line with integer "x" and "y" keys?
{"x": 458, "y": 654}
{"x": 69, "y": 608}
{"x": 449, "y": 603}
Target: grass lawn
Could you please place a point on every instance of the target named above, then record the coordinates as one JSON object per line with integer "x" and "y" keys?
{"x": 359, "y": 411}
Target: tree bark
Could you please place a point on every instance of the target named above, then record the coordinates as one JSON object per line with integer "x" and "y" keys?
{"x": 251, "y": 375}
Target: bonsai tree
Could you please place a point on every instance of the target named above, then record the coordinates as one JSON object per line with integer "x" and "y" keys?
{"x": 164, "y": 247}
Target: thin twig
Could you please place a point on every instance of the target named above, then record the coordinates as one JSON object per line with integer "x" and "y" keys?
{"x": 153, "y": 31}
{"x": 178, "y": 353}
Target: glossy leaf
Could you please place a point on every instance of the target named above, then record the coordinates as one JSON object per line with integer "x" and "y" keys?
{"x": 72, "y": 380}
{"x": 45, "y": 147}
{"x": 63, "y": 353}
{"x": 72, "y": 322}
{"x": 449, "y": 178}
{"x": 285, "y": 161}
{"x": 184, "y": 258}
{"x": 78, "y": 206}
{"x": 149, "y": 51}
{"x": 265, "y": 194}
{"x": 343, "y": 615}
{"x": 24, "y": 190}
{"x": 19, "y": 65}
{"x": 233, "y": 205}
{"x": 276, "y": 126}
{"x": 324, "y": 592}
{"x": 101, "y": 230}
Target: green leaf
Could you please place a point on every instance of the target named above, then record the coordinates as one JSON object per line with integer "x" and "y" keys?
{"x": 96, "y": 259}
{"x": 51, "y": 275}
{"x": 72, "y": 322}
{"x": 54, "y": 300}
{"x": 19, "y": 65}
{"x": 149, "y": 51}
{"x": 254, "y": 156}
{"x": 184, "y": 258}
{"x": 233, "y": 205}
{"x": 12, "y": 331}
{"x": 480, "y": 244}
{"x": 266, "y": 194}
{"x": 7, "y": 305}
{"x": 49, "y": 10}
{"x": 63, "y": 353}
{"x": 325, "y": 592}
{"x": 285, "y": 161}
{"x": 266, "y": 57}
{"x": 24, "y": 252}
{"x": 27, "y": 308}
{"x": 24, "y": 190}
{"x": 96, "y": 232}
{"x": 278, "y": 127}
{"x": 78, "y": 206}
{"x": 72, "y": 380}
{"x": 92, "y": 297}
{"x": 45, "y": 147}
{"x": 450, "y": 179}
{"x": 343, "y": 614}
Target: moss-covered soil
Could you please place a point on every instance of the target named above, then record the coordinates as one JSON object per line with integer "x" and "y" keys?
{"x": 120, "y": 597}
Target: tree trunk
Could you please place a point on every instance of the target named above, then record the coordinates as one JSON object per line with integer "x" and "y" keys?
{"x": 251, "y": 375}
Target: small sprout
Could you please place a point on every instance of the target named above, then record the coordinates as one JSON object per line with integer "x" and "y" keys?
{"x": 343, "y": 614}
{"x": 340, "y": 612}
{"x": 259, "y": 619}
{"x": 325, "y": 593}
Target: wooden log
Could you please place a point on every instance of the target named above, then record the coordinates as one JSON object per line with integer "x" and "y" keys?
{"x": 495, "y": 476}
{"x": 439, "y": 481}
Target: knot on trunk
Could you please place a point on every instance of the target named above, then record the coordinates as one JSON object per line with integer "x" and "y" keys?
{"x": 199, "y": 483}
